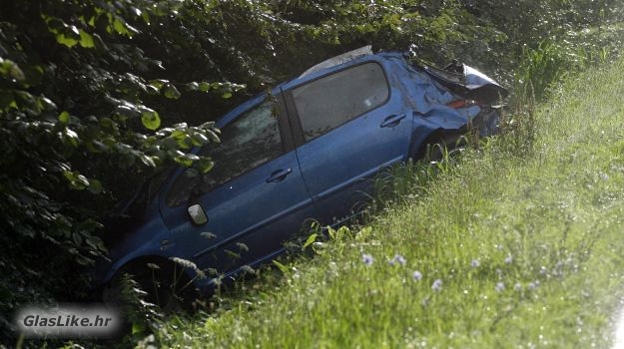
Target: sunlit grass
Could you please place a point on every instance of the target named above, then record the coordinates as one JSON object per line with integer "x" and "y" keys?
{"x": 503, "y": 250}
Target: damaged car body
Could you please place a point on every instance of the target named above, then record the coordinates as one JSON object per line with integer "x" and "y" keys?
{"x": 305, "y": 150}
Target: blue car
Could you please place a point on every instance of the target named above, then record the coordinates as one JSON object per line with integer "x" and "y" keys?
{"x": 306, "y": 150}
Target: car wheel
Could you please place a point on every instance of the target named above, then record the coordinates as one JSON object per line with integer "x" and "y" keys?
{"x": 447, "y": 148}
{"x": 161, "y": 284}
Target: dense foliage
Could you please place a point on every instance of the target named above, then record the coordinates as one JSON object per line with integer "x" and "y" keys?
{"x": 96, "y": 96}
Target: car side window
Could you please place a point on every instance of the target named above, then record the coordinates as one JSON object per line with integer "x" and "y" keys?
{"x": 250, "y": 141}
{"x": 330, "y": 101}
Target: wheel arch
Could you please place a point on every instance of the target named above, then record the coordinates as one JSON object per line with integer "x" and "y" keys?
{"x": 439, "y": 136}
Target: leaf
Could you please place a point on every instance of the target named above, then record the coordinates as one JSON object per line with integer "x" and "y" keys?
{"x": 311, "y": 239}
{"x": 137, "y": 327}
{"x": 158, "y": 83}
{"x": 95, "y": 186}
{"x": 199, "y": 139}
{"x": 206, "y": 165}
{"x": 186, "y": 159}
{"x": 192, "y": 86}
{"x": 147, "y": 160}
{"x": 280, "y": 266}
{"x": 65, "y": 40}
{"x": 71, "y": 136}
{"x": 332, "y": 233}
{"x": 171, "y": 92}
{"x": 204, "y": 86}
{"x": 10, "y": 68}
{"x": 120, "y": 27}
{"x": 76, "y": 180}
{"x": 86, "y": 40}
{"x": 214, "y": 137}
{"x": 150, "y": 118}
{"x": 64, "y": 117}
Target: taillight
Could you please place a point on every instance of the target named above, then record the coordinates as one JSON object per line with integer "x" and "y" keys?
{"x": 461, "y": 103}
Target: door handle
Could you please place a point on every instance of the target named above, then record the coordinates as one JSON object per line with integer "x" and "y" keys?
{"x": 279, "y": 175}
{"x": 392, "y": 120}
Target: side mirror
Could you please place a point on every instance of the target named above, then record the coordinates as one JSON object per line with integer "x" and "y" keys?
{"x": 197, "y": 214}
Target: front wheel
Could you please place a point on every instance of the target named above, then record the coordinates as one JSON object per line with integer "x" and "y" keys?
{"x": 162, "y": 284}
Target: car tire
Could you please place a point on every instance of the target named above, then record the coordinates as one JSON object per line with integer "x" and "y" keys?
{"x": 445, "y": 148}
{"x": 162, "y": 283}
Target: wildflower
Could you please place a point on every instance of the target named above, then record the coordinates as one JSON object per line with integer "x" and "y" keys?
{"x": 184, "y": 263}
{"x": 518, "y": 286}
{"x": 532, "y": 286}
{"x": 500, "y": 287}
{"x": 437, "y": 285}
{"x": 208, "y": 235}
{"x": 247, "y": 269}
{"x": 417, "y": 275}
{"x": 153, "y": 266}
{"x": 398, "y": 259}
{"x": 475, "y": 263}
{"x": 242, "y": 247}
{"x": 508, "y": 260}
{"x": 367, "y": 259}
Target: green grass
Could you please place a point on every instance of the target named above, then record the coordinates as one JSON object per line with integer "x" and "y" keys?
{"x": 527, "y": 247}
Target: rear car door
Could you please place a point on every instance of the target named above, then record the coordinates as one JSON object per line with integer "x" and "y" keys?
{"x": 253, "y": 199}
{"x": 349, "y": 124}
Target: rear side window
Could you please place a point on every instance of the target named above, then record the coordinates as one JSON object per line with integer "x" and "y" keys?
{"x": 328, "y": 102}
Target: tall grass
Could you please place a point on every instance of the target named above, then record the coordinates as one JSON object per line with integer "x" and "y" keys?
{"x": 551, "y": 60}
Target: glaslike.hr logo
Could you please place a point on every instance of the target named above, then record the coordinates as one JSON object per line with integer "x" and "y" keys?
{"x": 68, "y": 321}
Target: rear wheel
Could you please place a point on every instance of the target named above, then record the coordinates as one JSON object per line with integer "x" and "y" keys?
{"x": 445, "y": 148}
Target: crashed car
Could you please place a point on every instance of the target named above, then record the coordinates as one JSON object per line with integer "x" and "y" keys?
{"x": 307, "y": 149}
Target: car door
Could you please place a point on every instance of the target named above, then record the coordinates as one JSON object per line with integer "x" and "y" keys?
{"x": 253, "y": 199}
{"x": 351, "y": 123}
